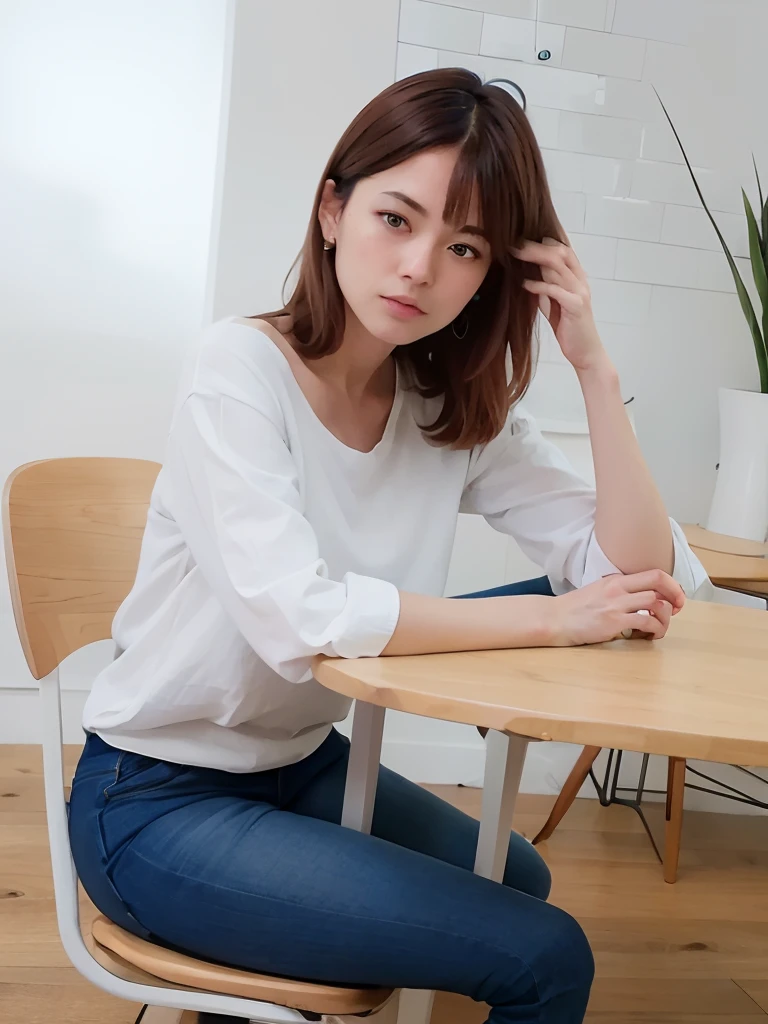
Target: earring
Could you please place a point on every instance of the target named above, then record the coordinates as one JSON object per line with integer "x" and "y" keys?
{"x": 465, "y": 324}
{"x": 328, "y": 245}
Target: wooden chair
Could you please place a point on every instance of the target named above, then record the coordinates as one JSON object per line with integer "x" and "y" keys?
{"x": 673, "y": 815}
{"x": 72, "y": 531}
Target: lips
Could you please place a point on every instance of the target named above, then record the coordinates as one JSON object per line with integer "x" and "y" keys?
{"x": 401, "y": 305}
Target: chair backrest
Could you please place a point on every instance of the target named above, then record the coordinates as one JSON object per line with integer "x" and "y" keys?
{"x": 72, "y": 530}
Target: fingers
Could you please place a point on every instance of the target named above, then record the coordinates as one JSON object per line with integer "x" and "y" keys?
{"x": 647, "y": 600}
{"x": 658, "y": 580}
{"x": 553, "y": 254}
{"x": 663, "y": 613}
{"x": 648, "y": 625}
{"x": 573, "y": 302}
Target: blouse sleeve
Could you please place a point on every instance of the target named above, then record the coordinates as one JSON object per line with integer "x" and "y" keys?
{"x": 236, "y": 497}
{"x": 525, "y": 487}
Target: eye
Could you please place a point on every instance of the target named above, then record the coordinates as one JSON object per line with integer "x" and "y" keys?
{"x": 466, "y": 250}
{"x": 390, "y": 217}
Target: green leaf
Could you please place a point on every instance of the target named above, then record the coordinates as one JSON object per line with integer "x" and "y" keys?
{"x": 756, "y": 253}
{"x": 763, "y": 215}
{"x": 746, "y": 303}
{"x": 757, "y": 178}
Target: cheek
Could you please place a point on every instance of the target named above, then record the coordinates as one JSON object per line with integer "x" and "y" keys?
{"x": 457, "y": 284}
{"x": 361, "y": 258}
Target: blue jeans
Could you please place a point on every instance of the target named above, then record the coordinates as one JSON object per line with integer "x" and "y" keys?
{"x": 254, "y": 870}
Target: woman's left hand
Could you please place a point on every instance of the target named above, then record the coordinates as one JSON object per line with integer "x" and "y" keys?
{"x": 565, "y": 300}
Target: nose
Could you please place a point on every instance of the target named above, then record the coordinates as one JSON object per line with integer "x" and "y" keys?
{"x": 418, "y": 261}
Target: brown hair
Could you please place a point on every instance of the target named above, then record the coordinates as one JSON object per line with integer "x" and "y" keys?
{"x": 499, "y": 156}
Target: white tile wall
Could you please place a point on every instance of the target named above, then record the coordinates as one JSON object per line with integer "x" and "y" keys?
{"x": 659, "y": 143}
{"x": 597, "y": 255}
{"x": 668, "y": 20}
{"x": 510, "y": 8}
{"x": 581, "y": 14}
{"x": 606, "y": 136}
{"x": 439, "y": 26}
{"x": 564, "y": 170}
{"x": 413, "y": 59}
{"x": 621, "y": 302}
{"x": 661, "y": 288}
{"x": 672, "y": 265}
{"x": 624, "y": 218}
{"x": 570, "y": 208}
{"x": 521, "y": 39}
{"x": 687, "y": 225}
{"x": 604, "y": 53}
{"x": 605, "y": 176}
{"x": 546, "y": 124}
{"x": 623, "y": 97}
{"x": 667, "y": 183}
{"x": 665, "y": 61}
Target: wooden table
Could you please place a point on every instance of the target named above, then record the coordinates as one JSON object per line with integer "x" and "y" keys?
{"x": 730, "y": 562}
{"x": 701, "y": 692}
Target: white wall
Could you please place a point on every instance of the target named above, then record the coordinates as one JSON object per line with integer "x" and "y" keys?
{"x": 109, "y": 129}
{"x": 301, "y": 71}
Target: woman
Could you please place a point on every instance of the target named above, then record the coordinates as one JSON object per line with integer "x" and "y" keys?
{"x": 308, "y": 503}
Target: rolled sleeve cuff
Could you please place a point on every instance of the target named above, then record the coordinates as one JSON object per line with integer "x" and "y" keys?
{"x": 376, "y": 606}
{"x": 688, "y": 570}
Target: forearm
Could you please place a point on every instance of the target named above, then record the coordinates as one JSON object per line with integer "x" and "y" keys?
{"x": 433, "y": 625}
{"x": 631, "y": 523}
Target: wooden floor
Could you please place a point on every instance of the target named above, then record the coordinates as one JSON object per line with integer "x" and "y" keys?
{"x": 691, "y": 953}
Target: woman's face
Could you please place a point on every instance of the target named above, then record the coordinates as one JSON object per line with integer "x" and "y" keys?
{"x": 393, "y": 244}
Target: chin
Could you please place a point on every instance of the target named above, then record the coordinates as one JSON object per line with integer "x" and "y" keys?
{"x": 394, "y": 332}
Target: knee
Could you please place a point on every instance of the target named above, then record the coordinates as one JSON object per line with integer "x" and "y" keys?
{"x": 564, "y": 965}
{"x": 552, "y": 971}
{"x": 526, "y": 869}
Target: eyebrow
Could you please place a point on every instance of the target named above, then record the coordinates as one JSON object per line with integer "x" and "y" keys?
{"x": 468, "y": 229}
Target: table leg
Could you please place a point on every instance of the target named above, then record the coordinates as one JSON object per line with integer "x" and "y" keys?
{"x": 414, "y": 1006}
{"x": 504, "y": 759}
{"x": 363, "y": 768}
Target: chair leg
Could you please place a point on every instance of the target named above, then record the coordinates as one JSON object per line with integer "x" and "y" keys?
{"x": 160, "y": 1015}
{"x": 569, "y": 792}
{"x": 674, "y": 816}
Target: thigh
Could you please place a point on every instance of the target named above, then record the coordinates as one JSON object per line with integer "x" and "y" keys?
{"x": 410, "y": 816}
{"x": 293, "y": 895}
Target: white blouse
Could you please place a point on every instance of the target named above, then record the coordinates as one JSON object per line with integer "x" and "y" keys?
{"x": 269, "y": 541}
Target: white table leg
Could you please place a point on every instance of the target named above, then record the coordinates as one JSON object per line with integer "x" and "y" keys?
{"x": 363, "y": 769}
{"x": 504, "y": 759}
{"x": 415, "y": 1006}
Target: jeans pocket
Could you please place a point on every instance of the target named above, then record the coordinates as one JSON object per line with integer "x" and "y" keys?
{"x": 137, "y": 774}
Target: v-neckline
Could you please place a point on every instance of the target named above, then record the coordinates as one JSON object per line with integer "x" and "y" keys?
{"x": 267, "y": 330}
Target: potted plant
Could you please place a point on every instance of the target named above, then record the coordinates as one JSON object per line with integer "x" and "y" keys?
{"x": 740, "y": 502}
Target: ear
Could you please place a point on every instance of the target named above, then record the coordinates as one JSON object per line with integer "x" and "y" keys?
{"x": 329, "y": 211}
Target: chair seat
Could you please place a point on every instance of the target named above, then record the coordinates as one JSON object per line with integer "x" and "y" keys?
{"x": 186, "y": 971}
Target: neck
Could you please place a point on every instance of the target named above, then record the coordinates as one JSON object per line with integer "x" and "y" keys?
{"x": 361, "y": 365}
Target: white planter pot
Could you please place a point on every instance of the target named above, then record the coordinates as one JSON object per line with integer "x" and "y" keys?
{"x": 740, "y": 503}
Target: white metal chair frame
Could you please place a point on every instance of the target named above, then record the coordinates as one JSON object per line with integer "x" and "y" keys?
{"x": 157, "y": 999}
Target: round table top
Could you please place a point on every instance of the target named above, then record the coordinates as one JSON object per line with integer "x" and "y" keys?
{"x": 701, "y": 692}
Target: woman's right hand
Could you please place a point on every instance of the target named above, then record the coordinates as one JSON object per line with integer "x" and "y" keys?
{"x": 612, "y": 606}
